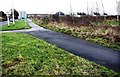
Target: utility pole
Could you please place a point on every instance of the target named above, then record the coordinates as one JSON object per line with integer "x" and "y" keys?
{"x": 71, "y": 8}
{"x": 103, "y": 10}
{"x": 97, "y": 9}
{"x": 103, "y": 7}
{"x": 116, "y": 9}
{"x": 13, "y": 13}
{"x": 91, "y": 11}
{"x": 87, "y": 8}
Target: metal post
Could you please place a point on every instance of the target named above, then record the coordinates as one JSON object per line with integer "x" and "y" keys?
{"x": 13, "y": 13}
{"x": 8, "y": 18}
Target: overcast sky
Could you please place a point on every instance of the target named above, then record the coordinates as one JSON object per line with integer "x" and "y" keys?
{"x": 52, "y": 6}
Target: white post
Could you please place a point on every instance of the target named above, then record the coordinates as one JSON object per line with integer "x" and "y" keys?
{"x": 13, "y": 13}
{"x": 8, "y": 18}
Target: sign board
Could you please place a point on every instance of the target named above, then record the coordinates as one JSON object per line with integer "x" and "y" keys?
{"x": 22, "y": 14}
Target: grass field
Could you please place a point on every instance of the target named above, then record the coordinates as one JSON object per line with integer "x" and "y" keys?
{"x": 20, "y": 24}
{"x": 24, "y": 54}
{"x": 108, "y": 23}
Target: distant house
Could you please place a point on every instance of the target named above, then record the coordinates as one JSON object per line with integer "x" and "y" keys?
{"x": 81, "y": 13}
{"x": 38, "y": 15}
{"x": 105, "y": 14}
{"x": 30, "y": 15}
{"x": 96, "y": 13}
{"x": 60, "y": 13}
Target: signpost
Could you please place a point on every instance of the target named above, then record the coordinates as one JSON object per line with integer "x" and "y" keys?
{"x": 23, "y": 14}
{"x": 25, "y": 18}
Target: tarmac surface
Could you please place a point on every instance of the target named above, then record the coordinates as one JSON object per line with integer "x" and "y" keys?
{"x": 3, "y": 23}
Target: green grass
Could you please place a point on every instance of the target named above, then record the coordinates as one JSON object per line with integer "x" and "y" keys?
{"x": 24, "y": 54}
{"x": 85, "y": 33}
{"x": 108, "y": 23}
{"x": 18, "y": 26}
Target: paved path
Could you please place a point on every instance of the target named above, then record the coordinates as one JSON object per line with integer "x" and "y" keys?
{"x": 3, "y": 23}
{"x": 34, "y": 28}
{"x": 85, "y": 49}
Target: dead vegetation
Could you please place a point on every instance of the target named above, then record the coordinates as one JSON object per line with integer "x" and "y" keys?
{"x": 105, "y": 32}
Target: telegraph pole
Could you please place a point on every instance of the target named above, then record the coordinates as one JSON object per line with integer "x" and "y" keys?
{"x": 71, "y": 8}
{"x": 13, "y": 13}
{"x": 103, "y": 7}
{"x": 91, "y": 12}
{"x": 97, "y": 9}
{"x": 87, "y": 8}
{"x": 103, "y": 10}
{"x": 116, "y": 9}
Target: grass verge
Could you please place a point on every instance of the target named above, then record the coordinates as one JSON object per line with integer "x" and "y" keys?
{"x": 18, "y": 26}
{"x": 108, "y": 23}
{"x": 24, "y": 54}
{"x": 84, "y": 33}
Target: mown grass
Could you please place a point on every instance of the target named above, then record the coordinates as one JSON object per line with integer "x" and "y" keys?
{"x": 84, "y": 33}
{"x": 24, "y": 54}
{"x": 17, "y": 26}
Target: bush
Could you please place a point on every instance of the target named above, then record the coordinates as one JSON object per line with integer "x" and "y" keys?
{"x": 55, "y": 18}
{"x": 45, "y": 20}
